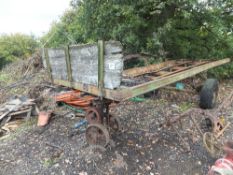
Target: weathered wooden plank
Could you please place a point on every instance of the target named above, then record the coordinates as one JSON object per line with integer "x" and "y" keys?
{"x": 178, "y": 68}
{"x": 48, "y": 65}
{"x": 191, "y": 65}
{"x": 68, "y": 64}
{"x": 94, "y": 90}
{"x": 147, "y": 69}
{"x": 162, "y": 73}
{"x": 155, "y": 68}
{"x": 158, "y": 83}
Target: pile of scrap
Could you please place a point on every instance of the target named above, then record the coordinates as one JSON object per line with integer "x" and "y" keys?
{"x": 21, "y": 76}
{"x": 18, "y": 108}
{"x": 210, "y": 124}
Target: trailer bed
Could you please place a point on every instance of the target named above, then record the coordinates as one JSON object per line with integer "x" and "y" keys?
{"x": 137, "y": 81}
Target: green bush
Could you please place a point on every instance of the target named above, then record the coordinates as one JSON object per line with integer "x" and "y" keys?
{"x": 16, "y": 46}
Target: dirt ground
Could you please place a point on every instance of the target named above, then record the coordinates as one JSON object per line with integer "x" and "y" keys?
{"x": 143, "y": 147}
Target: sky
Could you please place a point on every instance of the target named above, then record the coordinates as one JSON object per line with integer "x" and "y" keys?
{"x": 30, "y": 16}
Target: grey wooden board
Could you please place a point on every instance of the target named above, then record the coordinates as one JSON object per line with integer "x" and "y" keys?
{"x": 112, "y": 47}
{"x": 58, "y": 63}
{"x": 84, "y": 64}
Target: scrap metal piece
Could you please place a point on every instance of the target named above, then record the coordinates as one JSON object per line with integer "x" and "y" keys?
{"x": 222, "y": 131}
{"x": 97, "y": 134}
{"x": 115, "y": 123}
{"x": 206, "y": 125}
{"x": 211, "y": 144}
{"x": 224, "y": 166}
{"x": 213, "y": 124}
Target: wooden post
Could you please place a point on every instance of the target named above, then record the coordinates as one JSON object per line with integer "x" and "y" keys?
{"x": 101, "y": 67}
{"x": 48, "y": 63}
{"x": 68, "y": 65}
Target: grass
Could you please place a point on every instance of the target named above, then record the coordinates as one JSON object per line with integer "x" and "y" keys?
{"x": 185, "y": 106}
{"x": 7, "y": 78}
{"x": 4, "y": 77}
{"x": 49, "y": 162}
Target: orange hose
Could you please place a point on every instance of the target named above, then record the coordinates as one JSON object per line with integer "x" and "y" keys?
{"x": 74, "y": 98}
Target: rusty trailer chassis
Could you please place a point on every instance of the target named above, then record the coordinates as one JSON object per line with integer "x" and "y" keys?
{"x": 102, "y": 123}
{"x": 151, "y": 77}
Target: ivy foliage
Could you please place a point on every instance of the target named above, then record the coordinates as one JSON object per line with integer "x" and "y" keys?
{"x": 190, "y": 29}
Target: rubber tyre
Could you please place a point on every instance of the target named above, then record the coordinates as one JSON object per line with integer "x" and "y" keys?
{"x": 208, "y": 94}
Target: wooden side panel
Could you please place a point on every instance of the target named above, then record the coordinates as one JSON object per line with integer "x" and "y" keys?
{"x": 84, "y": 64}
{"x": 58, "y": 63}
{"x": 83, "y": 61}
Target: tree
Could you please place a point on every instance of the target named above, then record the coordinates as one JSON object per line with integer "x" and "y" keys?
{"x": 188, "y": 29}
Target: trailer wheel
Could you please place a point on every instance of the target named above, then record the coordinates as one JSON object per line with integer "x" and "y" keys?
{"x": 209, "y": 94}
{"x": 97, "y": 134}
